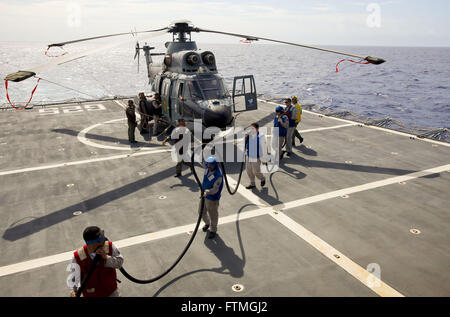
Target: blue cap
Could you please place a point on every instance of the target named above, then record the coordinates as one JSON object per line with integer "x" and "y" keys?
{"x": 211, "y": 162}
{"x": 100, "y": 239}
{"x": 279, "y": 109}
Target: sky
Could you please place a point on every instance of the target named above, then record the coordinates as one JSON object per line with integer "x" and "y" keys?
{"x": 320, "y": 22}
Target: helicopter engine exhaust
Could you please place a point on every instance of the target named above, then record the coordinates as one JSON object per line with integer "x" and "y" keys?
{"x": 192, "y": 59}
{"x": 208, "y": 58}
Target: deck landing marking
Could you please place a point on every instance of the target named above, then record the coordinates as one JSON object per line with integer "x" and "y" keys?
{"x": 66, "y": 256}
{"x": 337, "y": 257}
{"x": 82, "y": 135}
{"x": 82, "y": 138}
{"x": 329, "y": 128}
{"x": 107, "y": 158}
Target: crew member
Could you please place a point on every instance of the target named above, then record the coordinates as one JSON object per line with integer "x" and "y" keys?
{"x": 212, "y": 186}
{"x": 299, "y": 109}
{"x": 291, "y": 113}
{"x": 144, "y": 113}
{"x": 103, "y": 281}
{"x": 157, "y": 112}
{"x": 132, "y": 124}
{"x": 281, "y": 122}
{"x": 178, "y": 134}
{"x": 255, "y": 145}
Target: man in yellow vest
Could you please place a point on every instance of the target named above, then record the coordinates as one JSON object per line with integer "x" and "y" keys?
{"x": 298, "y": 107}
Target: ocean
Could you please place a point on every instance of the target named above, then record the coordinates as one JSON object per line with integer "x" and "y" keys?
{"x": 412, "y": 87}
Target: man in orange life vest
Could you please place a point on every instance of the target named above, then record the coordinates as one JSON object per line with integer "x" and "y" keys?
{"x": 103, "y": 281}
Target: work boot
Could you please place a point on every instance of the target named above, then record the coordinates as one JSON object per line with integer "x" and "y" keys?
{"x": 205, "y": 228}
{"x": 177, "y": 175}
{"x": 211, "y": 235}
{"x": 288, "y": 154}
{"x": 301, "y": 140}
{"x": 250, "y": 186}
{"x": 263, "y": 183}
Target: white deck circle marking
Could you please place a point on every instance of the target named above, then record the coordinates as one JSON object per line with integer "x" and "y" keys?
{"x": 142, "y": 173}
{"x": 82, "y": 138}
{"x": 162, "y": 197}
{"x": 345, "y": 196}
{"x": 77, "y": 213}
{"x": 70, "y": 185}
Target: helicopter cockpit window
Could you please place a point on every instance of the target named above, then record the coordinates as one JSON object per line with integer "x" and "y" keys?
{"x": 213, "y": 88}
{"x": 194, "y": 90}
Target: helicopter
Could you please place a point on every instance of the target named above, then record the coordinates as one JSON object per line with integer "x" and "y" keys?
{"x": 187, "y": 79}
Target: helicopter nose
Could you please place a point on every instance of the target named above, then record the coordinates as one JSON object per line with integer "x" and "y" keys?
{"x": 217, "y": 116}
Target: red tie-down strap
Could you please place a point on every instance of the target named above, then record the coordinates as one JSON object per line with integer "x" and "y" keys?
{"x": 48, "y": 48}
{"x": 350, "y": 60}
{"x": 31, "y": 97}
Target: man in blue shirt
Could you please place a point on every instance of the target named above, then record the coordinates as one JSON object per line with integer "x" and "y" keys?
{"x": 281, "y": 122}
{"x": 212, "y": 186}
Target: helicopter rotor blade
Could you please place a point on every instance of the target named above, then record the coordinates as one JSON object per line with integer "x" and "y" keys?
{"x": 105, "y": 36}
{"x": 370, "y": 59}
{"x": 30, "y": 72}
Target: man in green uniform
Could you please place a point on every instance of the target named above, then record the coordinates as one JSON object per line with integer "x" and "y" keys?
{"x": 132, "y": 124}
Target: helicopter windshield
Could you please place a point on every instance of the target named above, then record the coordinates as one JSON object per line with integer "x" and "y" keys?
{"x": 194, "y": 90}
{"x": 208, "y": 88}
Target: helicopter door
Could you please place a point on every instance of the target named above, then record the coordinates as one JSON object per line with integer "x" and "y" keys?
{"x": 165, "y": 98}
{"x": 244, "y": 94}
{"x": 179, "y": 100}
